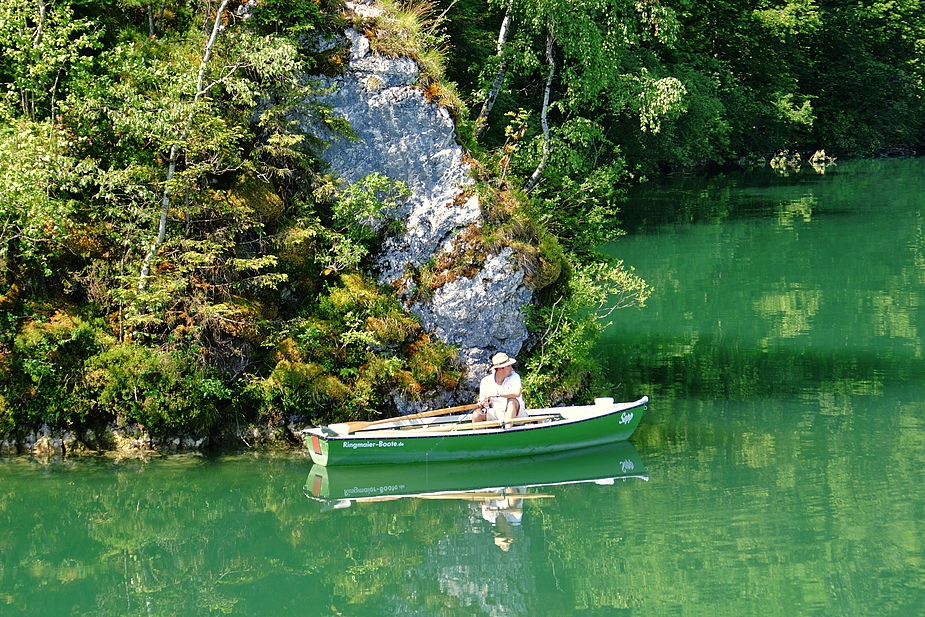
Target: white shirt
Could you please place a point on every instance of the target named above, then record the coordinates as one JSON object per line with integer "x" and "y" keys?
{"x": 489, "y": 389}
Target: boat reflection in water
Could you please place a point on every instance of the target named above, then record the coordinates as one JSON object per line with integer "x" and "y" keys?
{"x": 501, "y": 486}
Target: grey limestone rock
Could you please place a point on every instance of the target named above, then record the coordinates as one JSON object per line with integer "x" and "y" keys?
{"x": 404, "y": 137}
{"x": 481, "y": 313}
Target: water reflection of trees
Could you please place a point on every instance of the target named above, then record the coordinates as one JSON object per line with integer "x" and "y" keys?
{"x": 775, "y": 301}
{"x": 782, "y": 353}
{"x": 231, "y": 538}
{"x": 790, "y": 522}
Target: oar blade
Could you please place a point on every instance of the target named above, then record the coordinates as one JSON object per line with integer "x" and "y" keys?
{"x": 341, "y": 428}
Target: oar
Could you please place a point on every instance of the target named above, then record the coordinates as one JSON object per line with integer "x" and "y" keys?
{"x": 344, "y": 428}
{"x": 475, "y": 496}
{"x": 496, "y": 423}
{"x": 486, "y": 496}
{"x": 473, "y": 426}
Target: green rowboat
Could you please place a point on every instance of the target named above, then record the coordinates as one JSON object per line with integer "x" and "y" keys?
{"x": 449, "y": 438}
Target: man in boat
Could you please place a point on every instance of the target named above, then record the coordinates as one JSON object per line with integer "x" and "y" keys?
{"x": 500, "y": 392}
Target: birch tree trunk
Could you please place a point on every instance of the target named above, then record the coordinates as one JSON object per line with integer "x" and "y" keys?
{"x": 175, "y": 152}
{"x": 39, "y": 29}
{"x": 481, "y": 123}
{"x": 25, "y": 96}
{"x": 531, "y": 183}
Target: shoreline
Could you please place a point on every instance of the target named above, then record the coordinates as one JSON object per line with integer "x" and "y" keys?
{"x": 135, "y": 440}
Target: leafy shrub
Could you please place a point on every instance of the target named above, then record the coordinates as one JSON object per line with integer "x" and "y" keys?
{"x": 433, "y": 364}
{"x": 161, "y": 390}
{"x": 561, "y": 365}
{"x": 286, "y": 16}
{"x": 47, "y": 367}
{"x": 7, "y": 421}
{"x": 351, "y": 356}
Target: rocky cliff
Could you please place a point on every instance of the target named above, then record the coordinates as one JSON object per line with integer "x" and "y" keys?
{"x": 405, "y": 137}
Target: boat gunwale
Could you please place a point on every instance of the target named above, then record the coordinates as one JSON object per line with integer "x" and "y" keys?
{"x": 396, "y": 432}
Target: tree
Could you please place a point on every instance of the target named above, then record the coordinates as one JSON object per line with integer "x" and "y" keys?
{"x": 197, "y": 121}
{"x": 866, "y": 75}
{"x": 561, "y": 366}
{"x": 36, "y": 210}
{"x": 45, "y": 46}
{"x": 185, "y": 129}
{"x": 591, "y": 51}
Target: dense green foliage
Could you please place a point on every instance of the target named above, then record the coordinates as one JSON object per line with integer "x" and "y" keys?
{"x": 751, "y": 77}
{"x": 174, "y": 254}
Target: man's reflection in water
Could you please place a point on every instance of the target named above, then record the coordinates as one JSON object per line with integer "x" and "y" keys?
{"x": 492, "y": 582}
{"x": 506, "y": 515}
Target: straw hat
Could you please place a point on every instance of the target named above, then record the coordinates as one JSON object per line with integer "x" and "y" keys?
{"x": 503, "y": 543}
{"x": 500, "y": 360}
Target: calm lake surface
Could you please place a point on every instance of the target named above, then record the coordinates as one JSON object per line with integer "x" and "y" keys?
{"x": 779, "y": 469}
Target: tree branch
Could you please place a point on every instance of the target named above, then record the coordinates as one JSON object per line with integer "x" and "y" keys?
{"x": 550, "y": 41}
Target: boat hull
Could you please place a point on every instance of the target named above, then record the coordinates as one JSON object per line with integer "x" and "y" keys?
{"x": 583, "y": 427}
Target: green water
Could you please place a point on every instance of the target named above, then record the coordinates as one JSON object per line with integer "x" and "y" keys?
{"x": 784, "y": 449}
{"x": 782, "y": 348}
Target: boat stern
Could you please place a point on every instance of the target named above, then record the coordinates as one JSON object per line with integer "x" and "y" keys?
{"x": 317, "y": 443}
